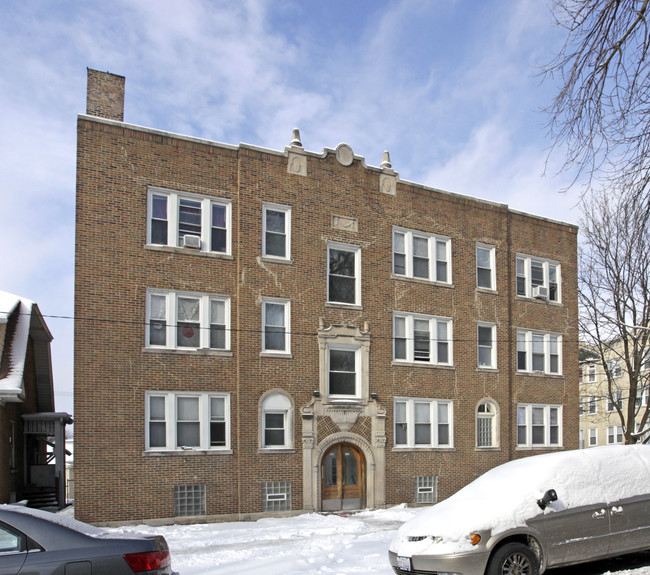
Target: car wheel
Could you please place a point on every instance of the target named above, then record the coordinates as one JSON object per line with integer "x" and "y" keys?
{"x": 513, "y": 559}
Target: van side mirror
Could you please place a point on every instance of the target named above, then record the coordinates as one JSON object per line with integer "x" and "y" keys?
{"x": 547, "y": 498}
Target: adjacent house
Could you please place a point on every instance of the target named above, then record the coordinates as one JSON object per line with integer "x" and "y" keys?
{"x": 601, "y": 403}
{"x": 32, "y": 446}
{"x": 266, "y": 332}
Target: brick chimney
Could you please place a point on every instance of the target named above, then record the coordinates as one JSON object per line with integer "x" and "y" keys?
{"x": 105, "y": 95}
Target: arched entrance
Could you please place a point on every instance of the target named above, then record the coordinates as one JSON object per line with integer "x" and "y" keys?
{"x": 343, "y": 478}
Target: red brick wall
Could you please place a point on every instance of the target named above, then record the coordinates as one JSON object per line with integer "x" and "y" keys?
{"x": 116, "y": 482}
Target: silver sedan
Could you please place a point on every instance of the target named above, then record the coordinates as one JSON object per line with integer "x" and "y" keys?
{"x": 39, "y": 543}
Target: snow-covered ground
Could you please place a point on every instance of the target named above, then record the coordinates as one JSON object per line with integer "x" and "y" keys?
{"x": 310, "y": 544}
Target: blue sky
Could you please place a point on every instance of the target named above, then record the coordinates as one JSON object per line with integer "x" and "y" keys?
{"x": 449, "y": 87}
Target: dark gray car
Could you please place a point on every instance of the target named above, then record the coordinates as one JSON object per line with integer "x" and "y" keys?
{"x": 39, "y": 543}
{"x": 535, "y": 513}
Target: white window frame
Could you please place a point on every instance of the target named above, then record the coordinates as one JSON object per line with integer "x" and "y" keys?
{"x": 591, "y": 373}
{"x": 171, "y": 421}
{"x": 523, "y": 270}
{"x": 526, "y": 422}
{"x": 593, "y": 437}
{"x": 614, "y": 434}
{"x": 491, "y": 269}
{"x": 434, "y": 423}
{"x": 527, "y": 342}
{"x": 171, "y": 315}
{"x": 409, "y": 321}
{"x": 277, "y": 403}
{"x": 492, "y": 348}
{"x": 356, "y": 250}
{"x": 434, "y": 242}
{"x": 173, "y": 208}
{"x": 286, "y": 210}
{"x": 286, "y": 304}
{"x": 592, "y": 405}
{"x": 617, "y": 399}
{"x": 489, "y": 413}
{"x": 615, "y": 367}
{"x": 357, "y": 372}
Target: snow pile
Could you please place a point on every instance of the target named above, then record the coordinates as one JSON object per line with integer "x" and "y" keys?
{"x": 506, "y": 496}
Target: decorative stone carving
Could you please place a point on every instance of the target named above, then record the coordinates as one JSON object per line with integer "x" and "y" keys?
{"x": 344, "y": 154}
{"x": 345, "y": 417}
{"x": 297, "y": 164}
{"x": 345, "y": 223}
{"x": 388, "y": 184}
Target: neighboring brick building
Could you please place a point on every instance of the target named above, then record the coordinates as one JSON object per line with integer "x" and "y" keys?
{"x": 263, "y": 331}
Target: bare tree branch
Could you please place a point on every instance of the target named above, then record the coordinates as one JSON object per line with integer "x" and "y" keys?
{"x": 614, "y": 276}
{"x": 600, "y": 117}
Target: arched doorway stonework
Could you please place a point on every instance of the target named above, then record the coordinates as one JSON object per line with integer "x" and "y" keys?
{"x": 359, "y": 420}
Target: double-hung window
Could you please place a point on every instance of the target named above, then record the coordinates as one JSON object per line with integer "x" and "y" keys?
{"x": 276, "y": 319}
{"x": 276, "y": 235}
{"x": 614, "y": 434}
{"x": 423, "y": 423}
{"x": 538, "y": 278}
{"x": 177, "y": 219}
{"x": 615, "y": 367}
{"x": 185, "y": 320}
{"x": 614, "y": 400}
{"x": 487, "y": 357}
{"x": 343, "y": 274}
{"x": 485, "y": 267}
{"x": 276, "y": 420}
{"x": 343, "y": 372}
{"x": 591, "y": 373}
{"x": 177, "y": 421}
{"x": 593, "y": 436}
{"x": 592, "y": 405}
{"x": 539, "y": 352}
{"x": 422, "y": 339}
{"x": 539, "y": 425}
{"x": 422, "y": 256}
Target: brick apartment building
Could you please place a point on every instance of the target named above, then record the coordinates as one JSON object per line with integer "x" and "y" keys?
{"x": 267, "y": 332}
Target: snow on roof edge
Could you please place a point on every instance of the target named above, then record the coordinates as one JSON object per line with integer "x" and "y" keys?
{"x": 12, "y": 384}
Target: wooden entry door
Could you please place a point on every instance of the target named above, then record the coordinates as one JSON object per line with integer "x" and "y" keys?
{"x": 343, "y": 478}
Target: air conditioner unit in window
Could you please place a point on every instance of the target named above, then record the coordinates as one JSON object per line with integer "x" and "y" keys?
{"x": 190, "y": 241}
{"x": 540, "y": 292}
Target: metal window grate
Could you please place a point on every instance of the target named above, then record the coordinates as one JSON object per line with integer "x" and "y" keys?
{"x": 189, "y": 500}
{"x": 276, "y": 496}
{"x": 426, "y": 489}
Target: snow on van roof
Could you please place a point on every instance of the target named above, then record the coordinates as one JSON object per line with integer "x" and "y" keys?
{"x": 504, "y": 497}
